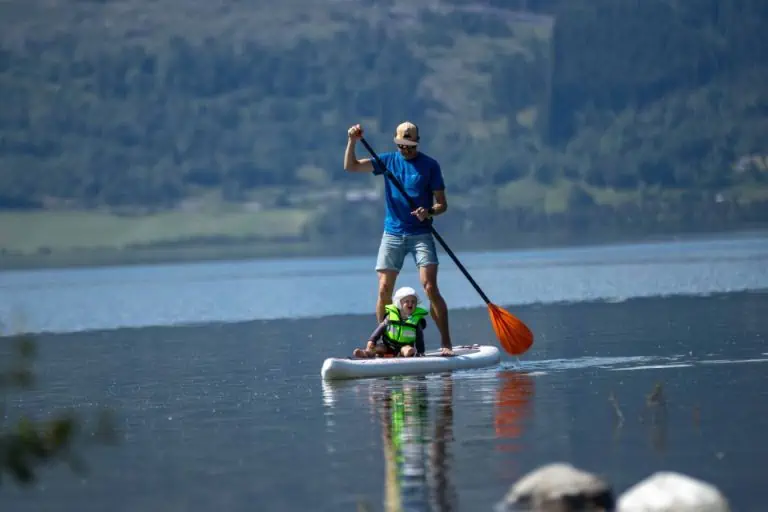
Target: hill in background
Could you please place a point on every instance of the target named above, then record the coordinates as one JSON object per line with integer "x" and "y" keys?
{"x": 570, "y": 116}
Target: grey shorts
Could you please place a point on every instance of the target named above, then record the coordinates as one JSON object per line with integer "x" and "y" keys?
{"x": 394, "y": 248}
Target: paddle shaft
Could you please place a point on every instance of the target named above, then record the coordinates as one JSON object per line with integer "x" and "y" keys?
{"x": 413, "y": 206}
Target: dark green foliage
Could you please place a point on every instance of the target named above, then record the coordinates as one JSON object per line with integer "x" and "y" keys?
{"x": 27, "y": 444}
{"x": 164, "y": 103}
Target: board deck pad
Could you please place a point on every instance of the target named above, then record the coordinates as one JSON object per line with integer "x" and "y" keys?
{"x": 465, "y": 357}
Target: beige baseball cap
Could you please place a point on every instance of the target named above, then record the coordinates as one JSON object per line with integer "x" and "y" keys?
{"x": 407, "y": 134}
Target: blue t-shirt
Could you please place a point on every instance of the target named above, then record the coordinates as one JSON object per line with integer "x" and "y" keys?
{"x": 420, "y": 176}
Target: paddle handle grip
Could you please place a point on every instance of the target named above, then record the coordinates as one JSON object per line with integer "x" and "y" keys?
{"x": 412, "y": 204}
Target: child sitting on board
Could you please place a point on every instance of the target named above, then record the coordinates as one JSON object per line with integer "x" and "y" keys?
{"x": 401, "y": 332}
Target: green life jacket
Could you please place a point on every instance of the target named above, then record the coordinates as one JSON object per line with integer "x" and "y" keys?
{"x": 403, "y": 332}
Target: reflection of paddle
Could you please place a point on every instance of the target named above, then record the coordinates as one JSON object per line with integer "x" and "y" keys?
{"x": 515, "y": 337}
{"x": 512, "y": 403}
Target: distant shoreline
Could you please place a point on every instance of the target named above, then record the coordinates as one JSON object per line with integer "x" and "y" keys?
{"x": 95, "y": 258}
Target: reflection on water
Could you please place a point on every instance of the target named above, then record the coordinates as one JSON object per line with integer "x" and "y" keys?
{"x": 513, "y": 407}
{"x": 230, "y": 416}
{"x": 415, "y": 449}
{"x": 656, "y": 411}
{"x": 415, "y": 416}
{"x": 653, "y": 416}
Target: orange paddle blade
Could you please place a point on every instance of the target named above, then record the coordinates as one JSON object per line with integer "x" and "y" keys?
{"x": 515, "y": 337}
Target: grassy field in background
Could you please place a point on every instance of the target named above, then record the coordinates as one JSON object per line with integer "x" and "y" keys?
{"x": 53, "y": 231}
{"x": 30, "y": 232}
{"x": 551, "y": 199}
{"x": 531, "y": 195}
{"x": 223, "y": 230}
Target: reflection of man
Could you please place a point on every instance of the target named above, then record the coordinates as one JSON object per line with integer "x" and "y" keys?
{"x": 414, "y": 479}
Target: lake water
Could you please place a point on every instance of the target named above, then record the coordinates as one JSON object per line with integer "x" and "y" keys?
{"x": 213, "y": 371}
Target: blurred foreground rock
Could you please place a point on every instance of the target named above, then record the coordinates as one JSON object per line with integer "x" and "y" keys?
{"x": 668, "y": 492}
{"x": 560, "y": 487}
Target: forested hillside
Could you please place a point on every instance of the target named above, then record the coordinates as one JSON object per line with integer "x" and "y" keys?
{"x": 600, "y": 103}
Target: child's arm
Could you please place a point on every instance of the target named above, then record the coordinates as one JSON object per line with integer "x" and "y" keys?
{"x": 420, "y": 337}
{"x": 378, "y": 332}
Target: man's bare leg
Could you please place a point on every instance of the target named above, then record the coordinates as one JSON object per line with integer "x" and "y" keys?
{"x": 437, "y": 307}
{"x": 387, "y": 279}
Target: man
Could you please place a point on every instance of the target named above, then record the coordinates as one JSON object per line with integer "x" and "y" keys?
{"x": 407, "y": 231}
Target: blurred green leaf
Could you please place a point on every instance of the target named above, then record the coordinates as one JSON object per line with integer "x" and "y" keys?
{"x": 26, "y": 444}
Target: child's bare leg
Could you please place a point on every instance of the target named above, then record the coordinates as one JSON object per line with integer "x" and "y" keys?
{"x": 408, "y": 351}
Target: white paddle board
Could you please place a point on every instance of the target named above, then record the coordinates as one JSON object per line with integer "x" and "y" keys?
{"x": 465, "y": 357}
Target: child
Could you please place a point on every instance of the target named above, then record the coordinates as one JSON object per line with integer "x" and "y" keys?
{"x": 401, "y": 332}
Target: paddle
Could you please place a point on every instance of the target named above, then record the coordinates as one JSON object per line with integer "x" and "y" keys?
{"x": 515, "y": 337}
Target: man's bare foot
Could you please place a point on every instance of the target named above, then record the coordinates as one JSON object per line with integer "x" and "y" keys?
{"x": 446, "y": 351}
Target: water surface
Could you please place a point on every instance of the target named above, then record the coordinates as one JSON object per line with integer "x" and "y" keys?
{"x": 647, "y": 358}
{"x": 235, "y": 417}
{"x": 72, "y": 300}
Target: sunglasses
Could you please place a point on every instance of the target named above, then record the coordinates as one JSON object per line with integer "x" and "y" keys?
{"x": 403, "y": 146}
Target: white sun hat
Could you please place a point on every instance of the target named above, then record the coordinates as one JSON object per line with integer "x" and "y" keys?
{"x": 401, "y": 293}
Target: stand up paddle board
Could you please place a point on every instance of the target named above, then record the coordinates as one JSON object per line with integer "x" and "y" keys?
{"x": 465, "y": 357}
